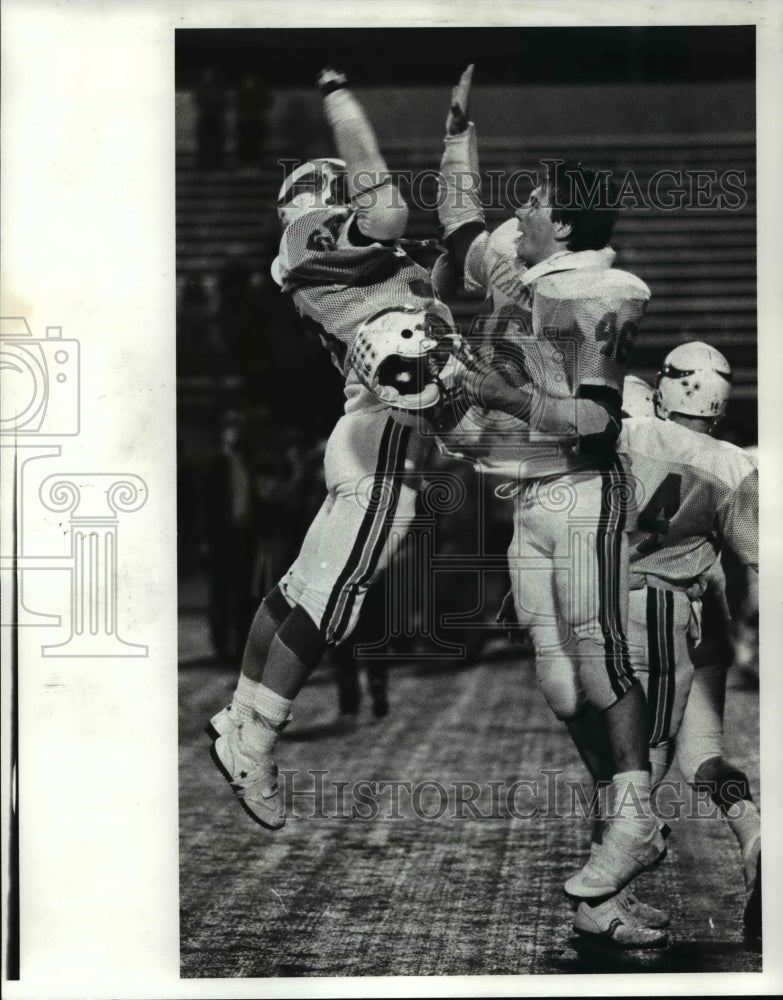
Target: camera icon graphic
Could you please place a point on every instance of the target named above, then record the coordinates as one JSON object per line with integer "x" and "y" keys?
{"x": 40, "y": 381}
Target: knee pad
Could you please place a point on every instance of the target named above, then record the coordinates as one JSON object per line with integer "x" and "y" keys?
{"x": 558, "y": 679}
{"x": 725, "y": 782}
{"x": 301, "y": 635}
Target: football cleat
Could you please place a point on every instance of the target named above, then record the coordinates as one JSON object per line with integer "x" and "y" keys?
{"x": 252, "y": 778}
{"x": 642, "y": 913}
{"x": 639, "y": 912}
{"x": 622, "y": 856}
{"x": 695, "y": 380}
{"x": 221, "y": 723}
{"x": 752, "y": 915}
{"x": 612, "y": 924}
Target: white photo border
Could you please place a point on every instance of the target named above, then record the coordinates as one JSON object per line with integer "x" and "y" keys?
{"x": 88, "y": 245}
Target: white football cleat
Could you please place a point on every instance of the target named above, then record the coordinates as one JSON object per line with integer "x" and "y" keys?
{"x": 642, "y": 913}
{"x": 622, "y": 856}
{"x": 253, "y": 778}
{"x": 611, "y": 922}
{"x": 221, "y": 724}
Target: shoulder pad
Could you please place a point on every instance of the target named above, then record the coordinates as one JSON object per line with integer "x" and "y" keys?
{"x": 586, "y": 283}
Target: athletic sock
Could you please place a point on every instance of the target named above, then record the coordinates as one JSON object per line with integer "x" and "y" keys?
{"x": 603, "y": 791}
{"x": 270, "y": 715}
{"x": 244, "y": 697}
{"x": 631, "y": 801}
{"x": 273, "y": 707}
{"x": 659, "y": 763}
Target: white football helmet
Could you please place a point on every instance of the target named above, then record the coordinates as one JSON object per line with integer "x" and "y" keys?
{"x": 695, "y": 380}
{"x": 637, "y": 397}
{"x": 314, "y": 184}
{"x": 399, "y": 353}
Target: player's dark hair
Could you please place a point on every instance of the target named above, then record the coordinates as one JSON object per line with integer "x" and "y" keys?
{"x": 583, "y": 198}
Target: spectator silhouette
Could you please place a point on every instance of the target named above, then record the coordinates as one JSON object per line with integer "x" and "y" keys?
{"x": 228, "y": 509}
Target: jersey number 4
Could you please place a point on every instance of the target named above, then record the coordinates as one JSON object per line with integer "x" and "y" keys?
{"x": 658, "y": 512}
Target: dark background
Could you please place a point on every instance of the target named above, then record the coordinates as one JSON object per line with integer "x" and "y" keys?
{"x": 255, "y": 397}
{"x": 635, "y": 99}
{"x": 407, "y": 58}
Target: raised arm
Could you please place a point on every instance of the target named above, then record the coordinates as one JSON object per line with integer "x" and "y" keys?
{"x": 382, "y": 214}
{"x": 459, "y": 202}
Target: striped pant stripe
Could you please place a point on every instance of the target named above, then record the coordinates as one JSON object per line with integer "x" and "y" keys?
{"x": 609, "y": 543}
{"x": 373, "y": 531}
{"x": 661, "y": 662}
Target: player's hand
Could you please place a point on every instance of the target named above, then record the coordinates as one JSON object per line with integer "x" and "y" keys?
{"x": 458, "y": 117}
{"x": 484, "y": 386}
{"x": 331, "y": 79}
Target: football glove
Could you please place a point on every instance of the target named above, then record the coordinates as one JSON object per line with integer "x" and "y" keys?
{"x": 458, "y": 117}
{"x": 330, "y": 80}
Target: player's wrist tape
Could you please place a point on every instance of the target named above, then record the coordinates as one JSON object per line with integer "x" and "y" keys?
{"x": 340, "y": 105}
{"x": 459, "y": 198}
{"x": 331, "y": 86}
{"x": 464, "y": 144}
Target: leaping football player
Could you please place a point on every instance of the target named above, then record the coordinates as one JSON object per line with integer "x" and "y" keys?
{"x": 377, "y": 313}
{"x": 547, "y": 395}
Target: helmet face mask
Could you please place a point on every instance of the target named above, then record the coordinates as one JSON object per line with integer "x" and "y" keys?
{"x": 399, "y": 353}
{"x": 314, "y": 184}
{"x": 695, "y": 381}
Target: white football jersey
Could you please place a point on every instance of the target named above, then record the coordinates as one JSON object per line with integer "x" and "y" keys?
{"x": 561, "y": 330}
{"x": 336, "y": 287}
{"x": 692, "y": 493}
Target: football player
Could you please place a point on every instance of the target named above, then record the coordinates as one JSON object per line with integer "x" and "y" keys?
{"x": 546, "y": 391}
{"x": 693, "y": 492}
{"x": 698, "y": 493}
{"x": 377, "y": 313}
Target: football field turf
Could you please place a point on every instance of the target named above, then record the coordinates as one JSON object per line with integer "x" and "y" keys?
{"x": 434, "y": 841}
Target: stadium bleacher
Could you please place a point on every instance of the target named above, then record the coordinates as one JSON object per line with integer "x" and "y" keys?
{"x": 699, "y": 262}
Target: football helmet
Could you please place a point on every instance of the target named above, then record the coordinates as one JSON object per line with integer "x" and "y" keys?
{"x": 399, "y": 354}
{"x": 637, "y": 397}
{"x": 313, "y": 185}
{"x": 695, "y": 380}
